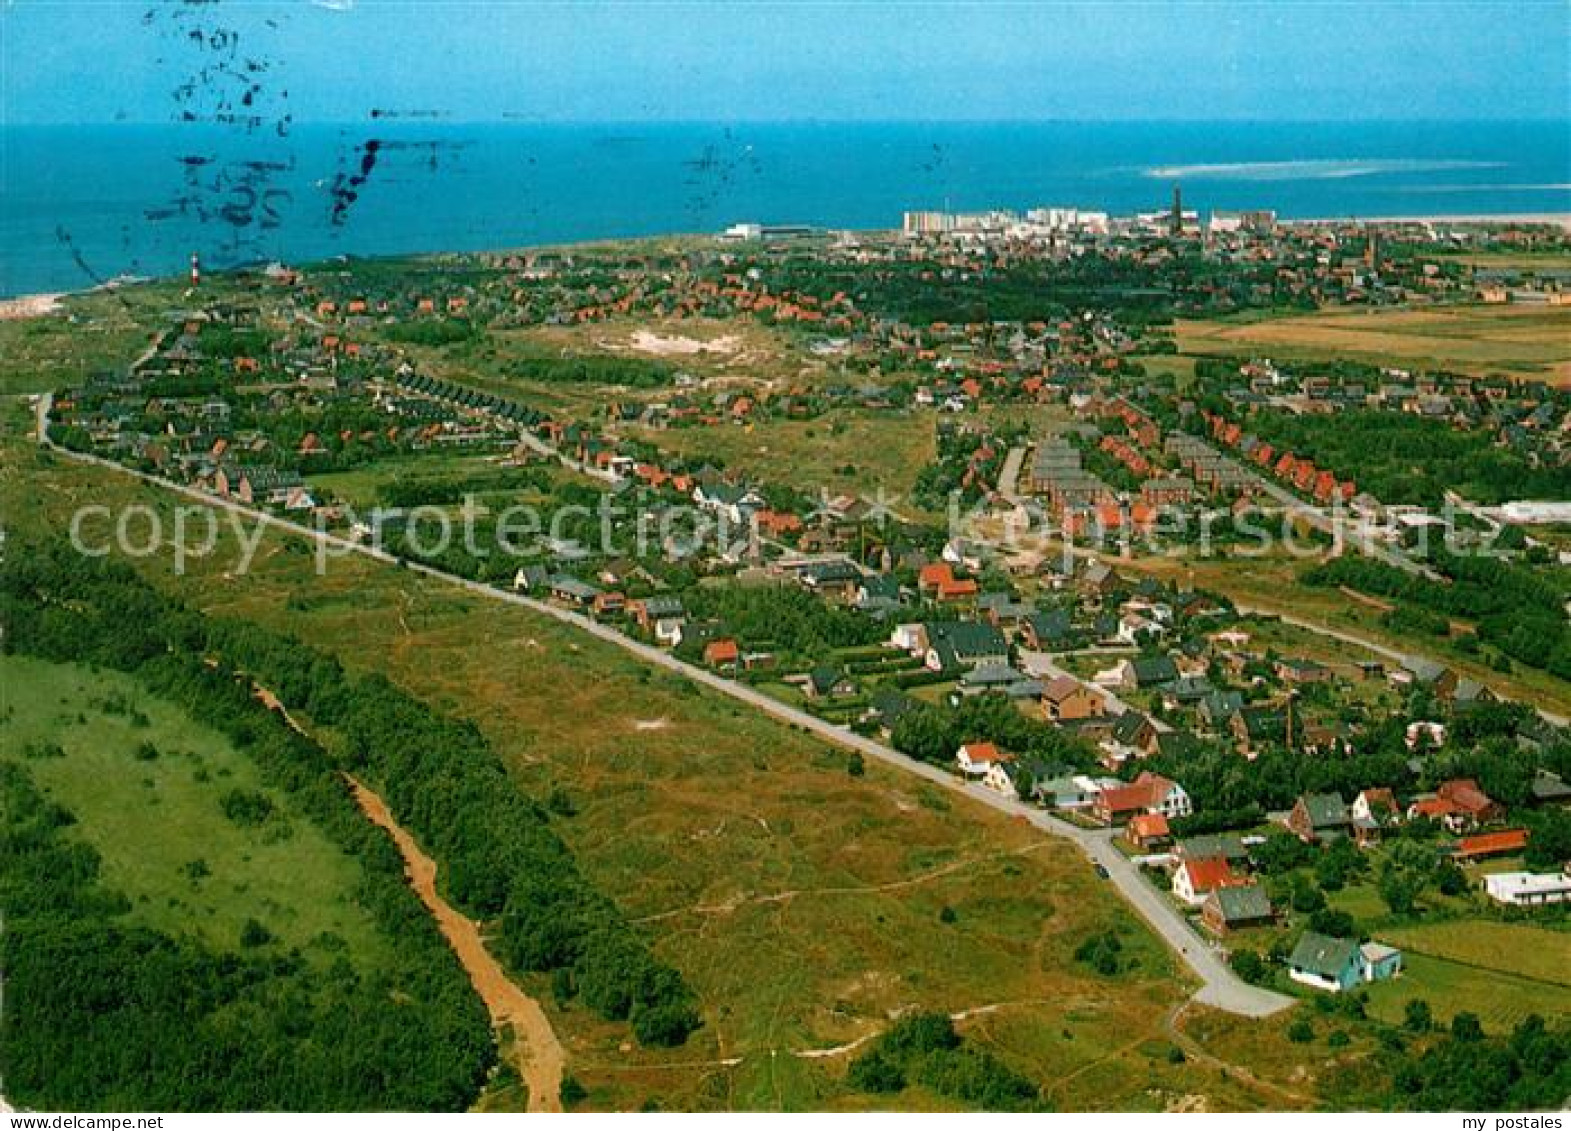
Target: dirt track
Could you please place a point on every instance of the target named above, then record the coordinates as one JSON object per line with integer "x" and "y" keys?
{"x": 540, "y": 1056}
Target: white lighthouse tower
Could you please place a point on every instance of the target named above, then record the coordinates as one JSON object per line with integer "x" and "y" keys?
{"x": 196, "y": 269}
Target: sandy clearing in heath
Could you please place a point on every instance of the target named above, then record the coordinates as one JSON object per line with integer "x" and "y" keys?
{"x": 674, "y": 345}
{"x": 540, "y": 1054}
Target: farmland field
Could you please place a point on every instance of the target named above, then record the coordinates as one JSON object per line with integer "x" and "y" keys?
{"x": 1500, "y": 1000}
{"x": 1515, "y": 340}
{"x": 1514, "y": 948}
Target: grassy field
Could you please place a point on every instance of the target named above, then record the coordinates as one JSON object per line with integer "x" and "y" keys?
{"x": 159, "y": 823}
{"x": 361, "y": 487}
{"x": 88, "y": 333}
{"x": 805, "y": 905}
{"x": 1500, "y": 1000}
{"x": 737, "y": 354}
{"x": 1515, "y": 340}
{"x": 1514, "y": 948}
{"x": 845, "y": 450}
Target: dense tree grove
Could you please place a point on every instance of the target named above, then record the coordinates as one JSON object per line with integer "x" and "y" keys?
{"x": 499, "y": 857}
{"x": 1466, "y": 1071}
{"x": 923, "y": 1048}
{"x": 791, "y": 620}
{"x": 1405, "y": 458}
{"x": 105, "y": 1014}
{"x": 1517, "y": 610}
{"x": 932, "y": 733}
{"x": 635, "y": 372}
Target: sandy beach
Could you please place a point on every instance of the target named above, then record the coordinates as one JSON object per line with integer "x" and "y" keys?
{"x": 30, "y": 306}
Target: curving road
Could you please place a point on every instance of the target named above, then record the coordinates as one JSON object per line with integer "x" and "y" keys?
{"x": 1220, "y": 987}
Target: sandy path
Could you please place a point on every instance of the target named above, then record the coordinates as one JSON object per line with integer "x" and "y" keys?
{"x": 540, "y": 1056}
{"x": 539, "y": 1052}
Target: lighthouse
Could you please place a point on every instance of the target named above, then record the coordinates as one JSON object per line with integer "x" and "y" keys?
{"x": 196, "y": 269}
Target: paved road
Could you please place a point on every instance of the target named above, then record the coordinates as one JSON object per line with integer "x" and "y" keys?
{"x": 1220, "y": 986}
{"x": 1009, "y": 475}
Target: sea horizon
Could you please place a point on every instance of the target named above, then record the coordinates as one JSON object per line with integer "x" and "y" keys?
{"x": 81, "y": 204}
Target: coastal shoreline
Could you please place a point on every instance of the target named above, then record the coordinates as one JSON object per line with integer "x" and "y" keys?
{"x": 43, "y": 303}
{"x": 1554, "y": 219}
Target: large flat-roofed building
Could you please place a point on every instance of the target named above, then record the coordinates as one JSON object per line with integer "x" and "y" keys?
{"x": 1528, "y": 889}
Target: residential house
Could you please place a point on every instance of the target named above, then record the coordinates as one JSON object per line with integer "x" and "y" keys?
{"x": 1438, "y": 678}
{"x": 1217, "y": 709}
{"x": 1065, "y": 791}
{"x": 1234, "y": 907}
{"x": 1318, "y": 817}
{"x": 1229, "y": 846}
{"x": 837, "y": 579}
{"x": 722, "y": 653}
{"x": 1336, "y": 965}
{"x": 1196, "y": 878}
{"x": 648, "y": 612}
{"x": 887, "y": 707}
{"x": 1549, "y": 788}
{"x": 1300, "y": 671}
{"x": 1148, "y": 793}
{"x": 568, "y": 590}
{"x": 829, "y": 683}
{"x": 1133, "y": 735}
{"x": 1459, "y": 804}
{"x": 955, "y": 645}
{"x": 1258, "y": 725}
{"x": 975, "y": 759}
{"x": 1148, "y": 830}
{"x": 1529, "y": 889}
{"x": 1045, "y": 630}
{"x": 1067, "y": 698}
{"x": 1147, "y": 671}
{"x": 1483, "y": 846}
{"x": 1378, "y": 805}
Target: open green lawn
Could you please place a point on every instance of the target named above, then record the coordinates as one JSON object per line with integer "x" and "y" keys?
{"x": 1500, "y": 971}
{"x": 159, "y": 822}
{"x": 361, "y": 487}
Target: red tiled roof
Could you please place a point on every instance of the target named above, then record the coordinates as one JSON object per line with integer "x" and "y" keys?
{"x": 1465, "y": 795}
{"x": 1149, "y": 825}
{"x": 1211, "y": 872}
{"x": 984, "y": 752}
{"x": 1492, "y": 844}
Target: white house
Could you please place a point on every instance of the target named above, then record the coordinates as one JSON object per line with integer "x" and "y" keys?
{"x": 1196, "y": 879}
{"x": 1528, "y": 889}
{"x": 999, "y": 779}
{"x": 975, "y": 759}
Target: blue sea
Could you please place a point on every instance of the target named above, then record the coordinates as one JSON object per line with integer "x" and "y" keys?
{"x": 82, "y": 204}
